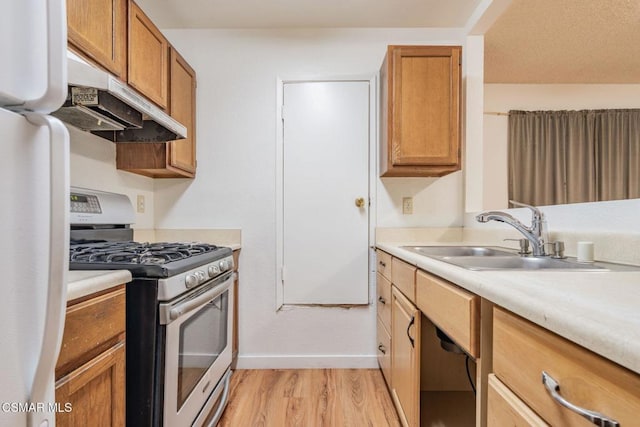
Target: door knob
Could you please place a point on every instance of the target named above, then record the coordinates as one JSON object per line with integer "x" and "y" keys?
{"x": 360, "y": 202}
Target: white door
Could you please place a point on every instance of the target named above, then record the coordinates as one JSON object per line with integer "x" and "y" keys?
{"x": 325, "y": 172}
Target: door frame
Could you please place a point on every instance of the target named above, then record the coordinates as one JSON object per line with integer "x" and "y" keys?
{"x": 372, "y": 79}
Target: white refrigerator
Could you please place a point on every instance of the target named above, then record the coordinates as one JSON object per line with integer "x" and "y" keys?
{"x": 34, "y": 187}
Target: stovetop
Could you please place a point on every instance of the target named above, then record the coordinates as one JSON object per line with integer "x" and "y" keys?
{"x": 153, "y": 260}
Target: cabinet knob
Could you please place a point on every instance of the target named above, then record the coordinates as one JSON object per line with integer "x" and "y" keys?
{"x": 382, "y": 349}
{"x": 360, "y": 202}
{"x": 382, "y": 300}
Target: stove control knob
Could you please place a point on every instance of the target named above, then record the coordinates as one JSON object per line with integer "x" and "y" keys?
{"x": 190, "y": 281}
{"x": 224, "y": 265}
{"x": 201, "y": 276}
{"x": 214, "y": 270}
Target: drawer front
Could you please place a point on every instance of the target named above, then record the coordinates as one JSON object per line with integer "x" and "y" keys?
{"x": 522, "y": 351}
{"x": 384, "y": 300}
{"x": 91, "y": 327}
{"x": 403, "y": 275}
{"x": 384, "y": 352}
{"x": 506, "y": 409}
{"x": 454, "y": 310}
{"x": 384, "y": 263}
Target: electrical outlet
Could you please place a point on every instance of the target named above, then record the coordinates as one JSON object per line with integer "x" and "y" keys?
{"x": 407, "y": 205}
{"x": 140, "y": 203}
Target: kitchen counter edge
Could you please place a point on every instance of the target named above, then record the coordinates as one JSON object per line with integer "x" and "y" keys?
{"x": 81, "y": 283}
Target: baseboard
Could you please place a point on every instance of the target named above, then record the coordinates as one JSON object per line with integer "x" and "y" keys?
{"x": 307, "y": 362}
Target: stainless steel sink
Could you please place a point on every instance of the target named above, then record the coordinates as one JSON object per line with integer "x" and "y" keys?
{"x": 458, "y": 251}
{"x": 497, "y": 258}
{"x": 520, "y": 263}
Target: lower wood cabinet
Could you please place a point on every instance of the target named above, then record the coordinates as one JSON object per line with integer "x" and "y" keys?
{"x": 236, "y": 284}
{"x": 429, "y": 386}
{"x": 522, "y": 351}
{"x": 383, "y": 325}
{"x": 96, "y": 391}
{"x": 405, "y": 358}
{"x": 90, "y": 373}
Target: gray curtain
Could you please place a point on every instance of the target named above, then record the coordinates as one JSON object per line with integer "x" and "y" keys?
{"x": 558, "y": 157}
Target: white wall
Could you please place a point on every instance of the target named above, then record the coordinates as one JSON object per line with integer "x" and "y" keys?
{"x": 235, "y": 186}
{"x": 500, "y": 98}
{"x": 93, "y": 165}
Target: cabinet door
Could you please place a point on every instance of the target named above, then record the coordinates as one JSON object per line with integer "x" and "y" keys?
{"x": 421, "y": 111}
{"x": 95, "y": 391}
{"x": 98, "y": 30}
{"x": 148, "y": 62}
{"x": 405, "y": 358}
{"x": 183, "y": 108}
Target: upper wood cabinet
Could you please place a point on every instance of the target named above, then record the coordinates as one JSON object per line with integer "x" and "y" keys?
{"x": 97, "y": 29}
{"x": 420, "y": 124}
{"x": 183, "y": 109}
{"x": 148, "y": 61}
{"x": 176, "y": 159}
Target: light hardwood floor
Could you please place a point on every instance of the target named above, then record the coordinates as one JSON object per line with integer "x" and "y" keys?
{"x": 309, "y": 398}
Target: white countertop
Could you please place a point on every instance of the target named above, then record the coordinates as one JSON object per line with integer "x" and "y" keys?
{"x": 597, "y": 310}
{"x": 85, "y": 282}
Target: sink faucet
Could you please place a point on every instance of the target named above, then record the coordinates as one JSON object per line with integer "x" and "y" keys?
{"x": 534, "y": 234}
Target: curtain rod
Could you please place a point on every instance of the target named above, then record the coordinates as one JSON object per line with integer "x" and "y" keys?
{"x": 495, "y": 113}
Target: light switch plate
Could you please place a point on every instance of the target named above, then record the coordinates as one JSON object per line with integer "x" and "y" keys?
{"x": 407, "y": 205}
{"x": 140, "y": 203}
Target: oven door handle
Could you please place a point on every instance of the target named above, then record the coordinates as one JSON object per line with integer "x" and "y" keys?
{"x": 189, "y": 305}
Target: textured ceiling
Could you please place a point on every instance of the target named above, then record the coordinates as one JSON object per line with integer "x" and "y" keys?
{"x": 565, "y": 41}
{"x": 308, "y": 13}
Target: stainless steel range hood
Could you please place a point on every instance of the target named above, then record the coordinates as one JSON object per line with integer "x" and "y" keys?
{"x": 99, "y": 103}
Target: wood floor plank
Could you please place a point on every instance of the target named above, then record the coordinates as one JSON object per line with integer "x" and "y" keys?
{"x": 309, "y": 398}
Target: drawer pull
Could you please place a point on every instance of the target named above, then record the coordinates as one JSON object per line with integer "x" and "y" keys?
{"x": 413, "y": 319}
{"x": 382, "y": 300}
{"x": 595, "y": 417}
{"x": 381, "y": 349}
{"x": 383, "y": 264}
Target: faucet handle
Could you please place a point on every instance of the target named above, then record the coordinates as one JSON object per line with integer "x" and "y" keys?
{"x": 524, "y": 246}
{"x": 558, "y": 249}
{"x": 537, "y": 213}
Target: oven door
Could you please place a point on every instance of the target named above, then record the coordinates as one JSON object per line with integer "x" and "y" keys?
{"x": 198, "y": 330}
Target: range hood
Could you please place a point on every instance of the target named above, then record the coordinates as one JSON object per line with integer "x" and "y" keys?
{"x": 99, "y": 103}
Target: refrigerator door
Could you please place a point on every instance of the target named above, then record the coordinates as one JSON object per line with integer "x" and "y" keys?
{"x": 34, "y": 183}
{"x": 33, "y": 46}
{"x": 43, "y": 389}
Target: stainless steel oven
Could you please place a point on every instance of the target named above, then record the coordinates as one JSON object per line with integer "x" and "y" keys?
{"x": 179, "y": 313}
{"x": 197, "y": 328}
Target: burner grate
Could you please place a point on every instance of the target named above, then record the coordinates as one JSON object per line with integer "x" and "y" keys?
{"x": 136, "y": 253}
